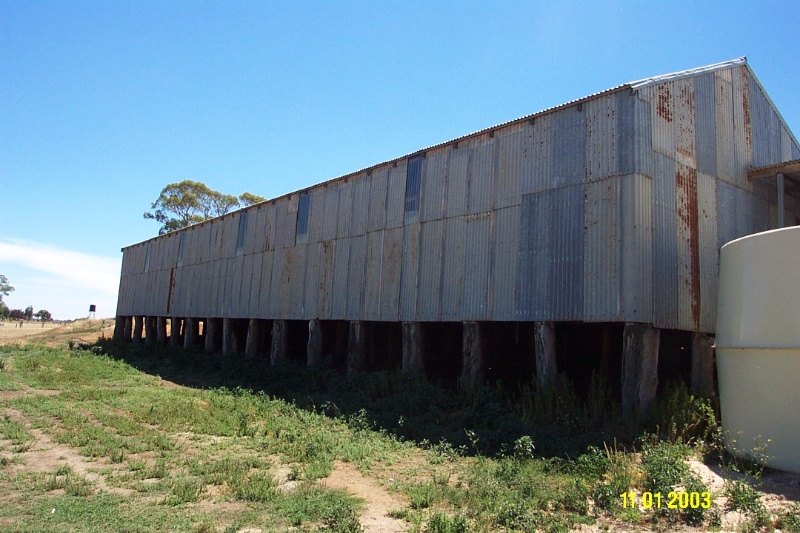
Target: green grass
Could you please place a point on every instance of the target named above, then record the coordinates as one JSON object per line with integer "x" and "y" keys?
{"x": 490, "y": 460}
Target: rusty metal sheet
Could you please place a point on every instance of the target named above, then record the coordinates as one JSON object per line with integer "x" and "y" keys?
{"x": 316, "y": 216}
{"x": 341, "y": 268}
{"x": 270, "y": 228}
{"x": 285, "y": 222}
{"x": 636, "y": 275}
{"x": 275, "y": 283}
{"x": 221, "y": 275}
{"x": 430, "y": 271}
{"x": 243, "y": 303}
{"x": 251, "y": 244}
{"x": 391, "y": 274}
{"x": 539, "y": 156}
{"x": 726, "y": 168}
{"x": 330, "y": 216}
{"x": 373, "y": 274}
{"x": 662, "y": 119}
{"x": 287, "y": 272}
{"x": 409, "y": 275}
{"x": 568, "y": 147}
{"x": 602, "y": 244}
{"x": 453, "y": 271}
{"x": 297, "y": 282}
{"x": 355, "y": 277}
{"x": 326, "y": 277}
{"x": 689, "y": 295}
{"x": 395, "y": 199}
{"x": 743, "y": 144}
{"x": 458, "y": 165}
{"x": 265, "y": 298}
{"x": 509, "y": 169}
{"x": 377, "y": 199}
{"x": 434, "y": 185}
{"x": 480, "y": 195}
{"x": 260, "y": 242}
{"x": 504, "y": 267}
{"x": 235, "y": 275}
{"x": 684, "y": 112}
{"x": 477, "y": 267}
{"x": 600, "y": 133}
{"x": 311, "y": 288}
{"x": 216, "y": 306}
{"x": 705, "y": 124}
{"x": 345, "y": 209}
{"x": 625, "y": 105}
{"x": 359, "y": 210}
{"x": 665, "y": 246}
{"x": 709, "y": 253}
{"x": 789, "y": 150}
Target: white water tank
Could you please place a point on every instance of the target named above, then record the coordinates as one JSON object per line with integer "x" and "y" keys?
{"x": 758, "y": 346}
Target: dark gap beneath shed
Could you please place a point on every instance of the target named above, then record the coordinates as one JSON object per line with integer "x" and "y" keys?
{"x": 587, "y": 348}
{"x": 509, "y": 356}
{"x": 674, "y": 358}
{"x": 335, "y": 334}
{"x": 442, "y": 347}
{"x": 385, "y": 346}
{"x": 297, "y": 340}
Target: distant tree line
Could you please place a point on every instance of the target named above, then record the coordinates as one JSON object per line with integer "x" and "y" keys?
{"x": 18, "y": 314}
{"x": 189, "y": 202}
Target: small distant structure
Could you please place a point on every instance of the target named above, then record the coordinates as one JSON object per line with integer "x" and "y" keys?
{"x": 92, "y": 311}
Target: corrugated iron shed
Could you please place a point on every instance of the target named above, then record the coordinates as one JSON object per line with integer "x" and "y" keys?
{"x": 609, "y": 208}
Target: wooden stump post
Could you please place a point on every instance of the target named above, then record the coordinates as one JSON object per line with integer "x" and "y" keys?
{"x": 227, "y": 335}
{"x": 161, "y": 330}
{"x": 413, "y": 352}
{"x": 314, "y": 345}
{"x": 119, "y": 328}
{"x": 356, "y": 347}
{"x": 277, "y": 352}
{"x": 703, "y": 364}
{"x": 639, "y": 368}
{"x": 545, "y": 354}
{"x": 127, "y": 333}
{"x": 253, "y": 337}
{"x": 137, "y": 329}
{"x": 211, "y": 335}
{"x": 175, "y": 325}
{"x": 472, "y": 356}
{"x": 189, "y": 332}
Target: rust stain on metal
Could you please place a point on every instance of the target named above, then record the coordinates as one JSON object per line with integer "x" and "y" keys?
{"x": 664, "y": 105}
{"x": 171, "y": 290}
{"x": 686, "y": 136}
{"x": 746, "y": 110}
{"x": 686, "y": 182}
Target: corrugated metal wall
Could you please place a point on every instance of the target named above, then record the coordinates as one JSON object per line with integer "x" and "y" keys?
{"x": 610, "y": 209}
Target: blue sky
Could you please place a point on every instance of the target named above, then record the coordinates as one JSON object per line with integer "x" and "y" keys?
{"x": 104, "y": 103}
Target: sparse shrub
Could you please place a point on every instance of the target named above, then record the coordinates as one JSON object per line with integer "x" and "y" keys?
{"x": 681, "y": 417}
{"x": 441, "y": 523}
{"x": 422, "y": 495}
{"x": 694, "y": 515}
{"x": 617, "y": 479}
{"x": 184, "y": 490}
{"x": 789, "y": 520}
{"x": 524, "y": 448}
{"x": 742, "y": 497}
{"x": 256, "y": 487}
{"x": 342, "y": 518}
{"x": 664, "y": 466}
